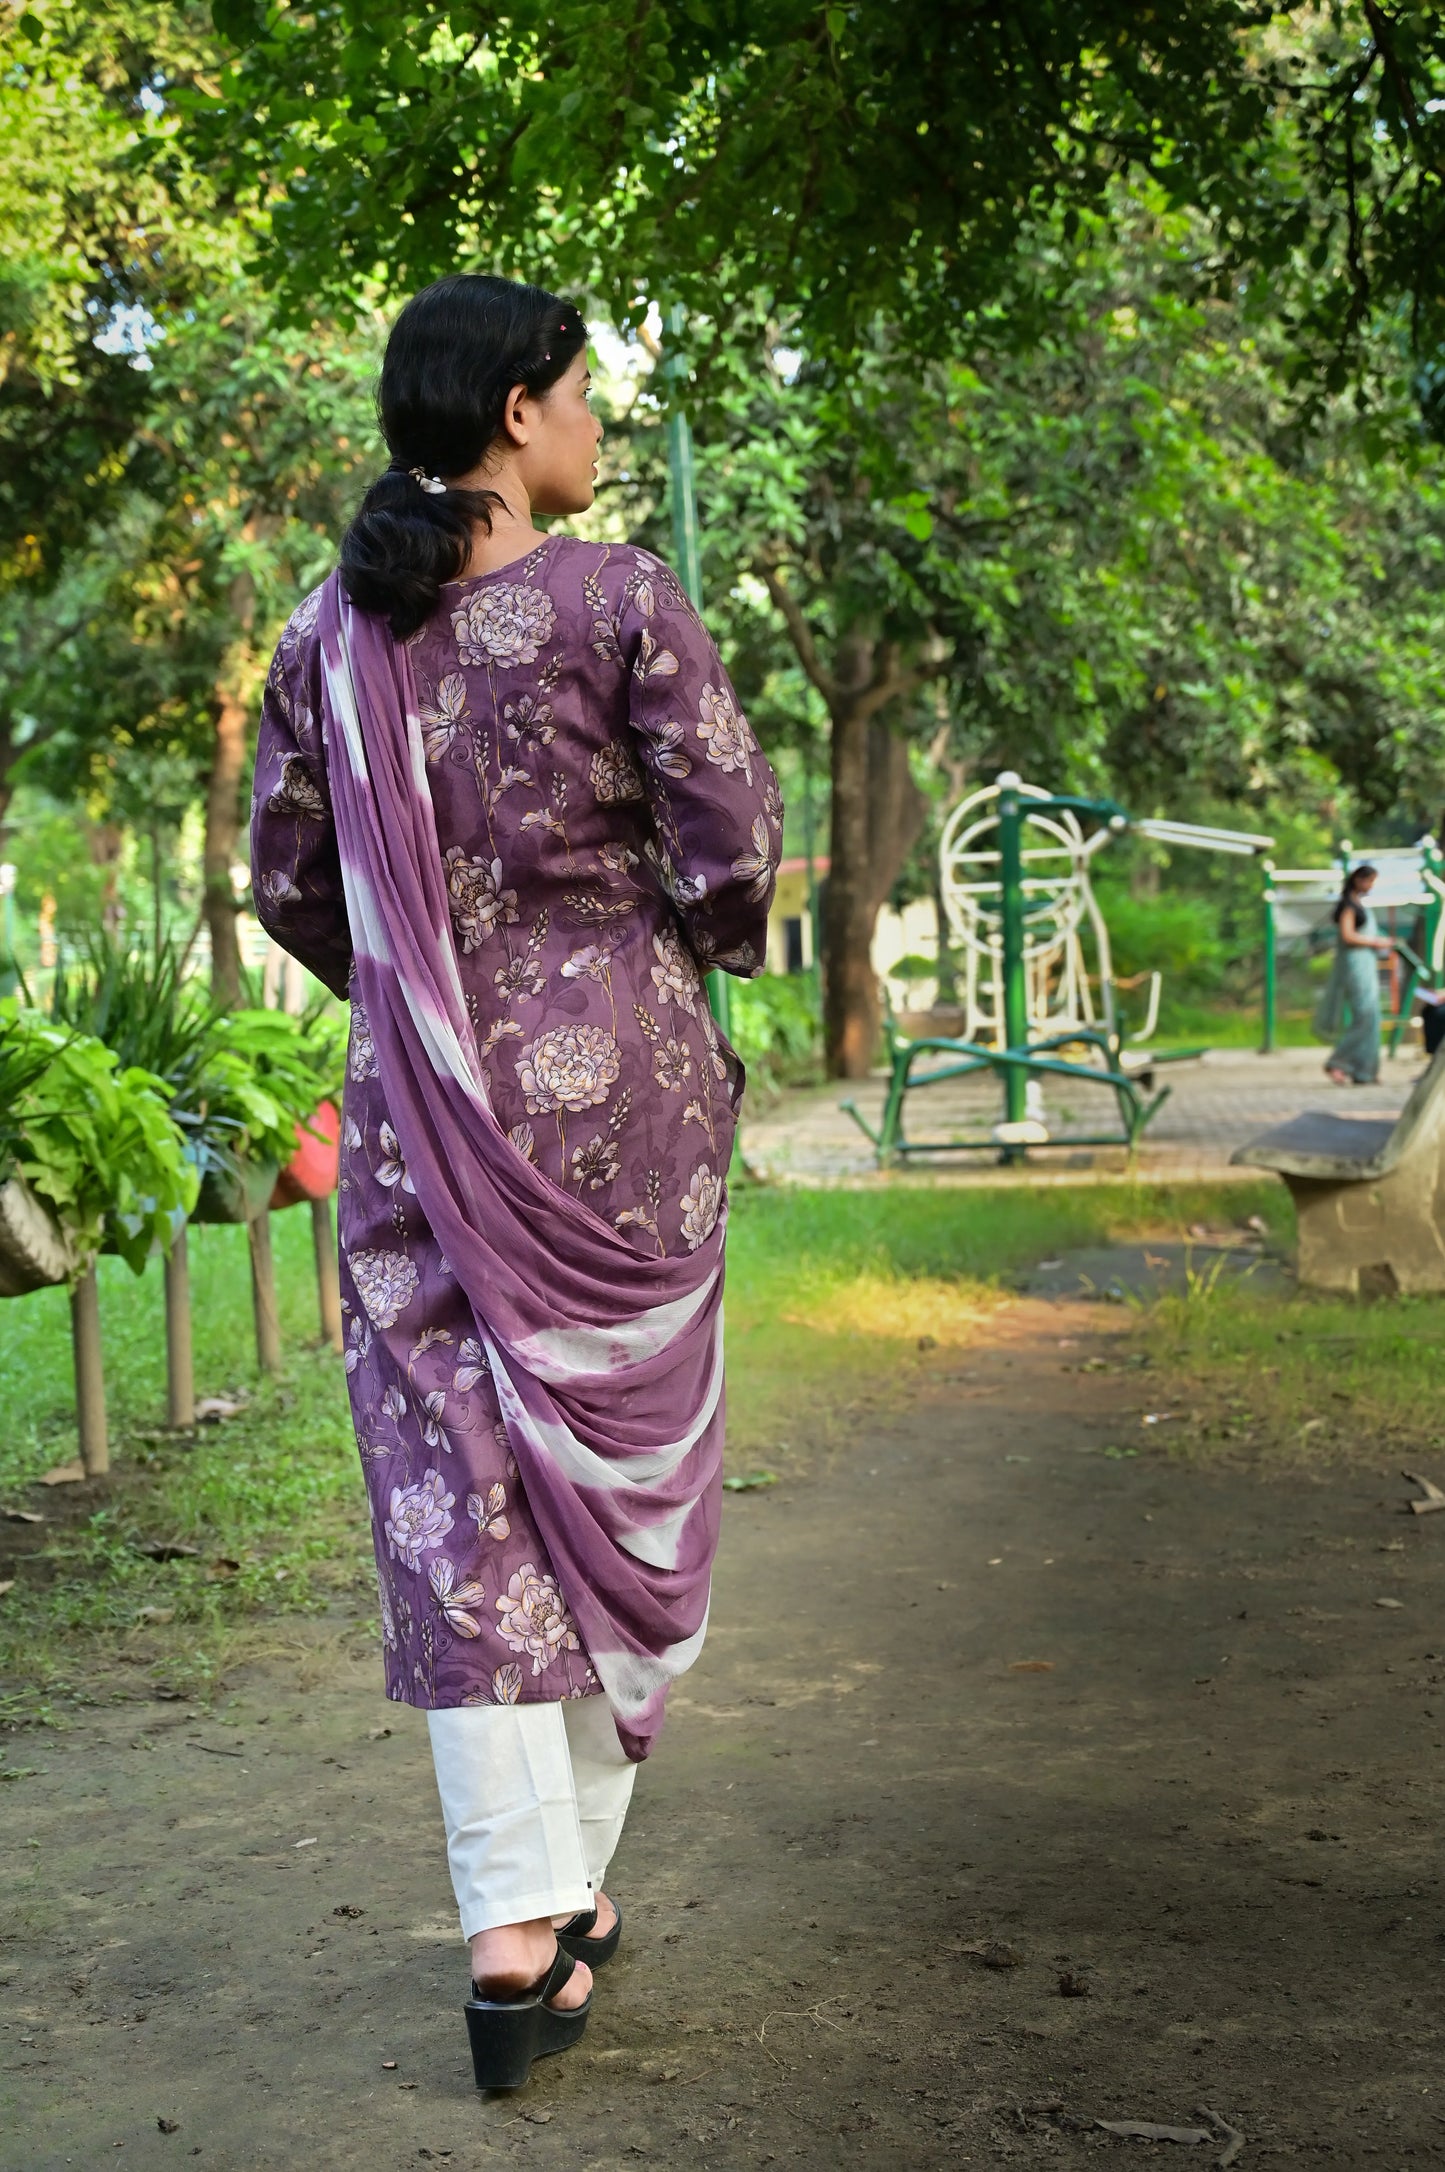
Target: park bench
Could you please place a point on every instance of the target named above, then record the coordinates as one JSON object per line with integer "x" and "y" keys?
{"x": 1369, "y": 1191}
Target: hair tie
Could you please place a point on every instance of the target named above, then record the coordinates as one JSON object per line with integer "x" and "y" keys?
{"x": 431, "y": 484}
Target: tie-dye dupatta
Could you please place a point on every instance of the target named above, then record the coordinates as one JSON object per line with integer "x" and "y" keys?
{"x": 608, "y": 1364}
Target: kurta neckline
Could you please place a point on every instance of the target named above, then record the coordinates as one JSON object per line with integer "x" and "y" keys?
{"x": 493, "y": 572}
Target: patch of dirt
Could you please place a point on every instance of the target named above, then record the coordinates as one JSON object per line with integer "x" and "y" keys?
{"x": 1017, "y": 1787}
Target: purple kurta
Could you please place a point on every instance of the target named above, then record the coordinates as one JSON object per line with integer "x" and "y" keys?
{"x": 605, "y": 821}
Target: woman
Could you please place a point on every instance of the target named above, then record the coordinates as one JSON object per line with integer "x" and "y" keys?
{"x": 1354, "y": 987}
{"x": 505, "y": 800}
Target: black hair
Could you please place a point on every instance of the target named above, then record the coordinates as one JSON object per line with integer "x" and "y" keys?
{"x": 454, "y": 354}
{"x": 1347, "y": 894}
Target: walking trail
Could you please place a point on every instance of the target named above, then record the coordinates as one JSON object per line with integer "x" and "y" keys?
{"x": 1019, "y": 1787}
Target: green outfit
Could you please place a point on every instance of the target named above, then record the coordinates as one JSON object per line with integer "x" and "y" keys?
{"x": 1353, "y": 993}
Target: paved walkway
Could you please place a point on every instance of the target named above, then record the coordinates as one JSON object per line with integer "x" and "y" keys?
{"x": 1217, "y": 1102}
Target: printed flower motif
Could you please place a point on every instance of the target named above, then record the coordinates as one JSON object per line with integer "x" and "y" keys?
{"x": 572, "y": 1068}
{"x": 592, "y": 962}
{"x": 442, "y": 719}
{"x": 454, "y": 1598}
{"x": 653, "y": 662}
{"x": 662, "y": 745}
{"x": 674, "y": 976}
{"x": 433, "y": 1411}
{"x": 529, "y": 721}
{"x": 701, "y": 1207}
{"x": 302, "y": 619}
{"x": 489, "y": 1515}
{"x": 755, "y": 868}
{"x": 682, "y": 889}
{"x": 595, "y": 1164}
{"x": 507, "y": 1684}
{"x": 386, "y": 1283}
{"x": 362, "y": 1053}
{"x": 358, "y": 1344}
{"x": 388, "y": 1619}
{"x": 520, "y": 979}
{"x": 614, "y": 775}
{"x": 278, "y": 888}
{"x": 505, "y": 624}
{"x": 392, "y": 1170}
{"x": 523, "y": 1139}
{"x": 472, "y": 1365}
{"x": 672, "y": 1065}
{"x": 393, "y": 1405}
{"x": 725, "y": 731}
{"x": 617, "y": 859}
{"x": 418, "y": 1518}
{"x": 534, "y": 1619}
{"x": 476, "y": 897}
{"x": 296, "y": 794}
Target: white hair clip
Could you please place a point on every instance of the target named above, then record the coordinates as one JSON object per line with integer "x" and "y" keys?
{"x": 431, "y": 484}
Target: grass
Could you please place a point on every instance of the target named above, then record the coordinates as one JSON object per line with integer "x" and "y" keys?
{"x": 829, "y": 1295}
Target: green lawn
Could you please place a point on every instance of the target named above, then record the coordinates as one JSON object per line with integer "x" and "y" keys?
{"x": 829, "y": 1294}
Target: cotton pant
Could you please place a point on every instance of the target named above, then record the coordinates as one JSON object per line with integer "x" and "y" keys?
{"x": 533, "y": 1798}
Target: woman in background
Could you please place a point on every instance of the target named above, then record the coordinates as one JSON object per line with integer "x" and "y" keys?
{"x": 1353, "y": 987}
{"x": 506, "y": 801}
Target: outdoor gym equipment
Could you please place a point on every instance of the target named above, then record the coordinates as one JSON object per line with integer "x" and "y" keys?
{"x": 1299, "y": 904}
{"x": 1014, "y": 865}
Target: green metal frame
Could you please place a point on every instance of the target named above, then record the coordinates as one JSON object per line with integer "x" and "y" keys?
{"x": 1019, "y": 1061}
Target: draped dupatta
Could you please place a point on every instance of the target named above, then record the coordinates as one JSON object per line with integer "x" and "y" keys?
{"x": 608, "y": 1364}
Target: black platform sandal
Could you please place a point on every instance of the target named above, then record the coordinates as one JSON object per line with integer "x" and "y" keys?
{"x": 508, "y": 2034}
{"x": 574, "y": 1938}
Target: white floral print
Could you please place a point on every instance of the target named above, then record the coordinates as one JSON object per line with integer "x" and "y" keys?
{"x": 725, "y": 731}
{"x": 505, "y": 623}
{"x": 418, "y": 1518}
{"x": 296, "y": 794}
{"x": 674, "y": 976}
{"x": 572, "y": 1068}
{"x": 454, "y": 1594}
{"x": 614, "y": 775}
{"x": 595, "y": 1164}
{"x": 476, "y": 898}
{"x": 362, "y": 1053}
{"x": 534, "y": 1619}
{"x": 386, "y": 1283}
{"x": 701, "y": 1205}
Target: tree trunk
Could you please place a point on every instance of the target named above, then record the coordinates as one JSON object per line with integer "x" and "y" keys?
{"x": 878, "y": 812}
{"x": 223, "y": 829}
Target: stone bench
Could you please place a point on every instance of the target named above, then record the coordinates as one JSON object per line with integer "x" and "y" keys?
{"x": 1369, "y": 1192}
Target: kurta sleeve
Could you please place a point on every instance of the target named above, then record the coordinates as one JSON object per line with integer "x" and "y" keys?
{"x": 295, "y": 864}
{"x": 713, "y": 795}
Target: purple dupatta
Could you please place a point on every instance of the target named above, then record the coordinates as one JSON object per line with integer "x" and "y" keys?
{"x": 608, "y": 1365}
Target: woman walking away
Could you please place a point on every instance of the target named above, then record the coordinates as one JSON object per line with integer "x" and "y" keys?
{"x": 1353, "y": 987}
{"x": 505, "y": 800}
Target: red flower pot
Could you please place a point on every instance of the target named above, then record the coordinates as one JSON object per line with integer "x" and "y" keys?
{"x": 312, "y": 1170}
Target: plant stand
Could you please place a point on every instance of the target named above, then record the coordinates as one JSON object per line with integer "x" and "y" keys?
{"x": 180, "y": 1363}
{"x": 328, "y": 1275}
{"x": 89, "y": 1374}
{"x": 263, "y": 1293}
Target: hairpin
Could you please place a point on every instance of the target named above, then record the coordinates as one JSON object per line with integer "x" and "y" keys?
{"x": 431, "y": 484}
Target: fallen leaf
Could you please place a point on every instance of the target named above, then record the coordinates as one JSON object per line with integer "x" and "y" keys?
{"x": 166, "y": 1549}
{"x": 748, "y": 1483}
{"x": 1031, "y": 1666}
{"x": 538, "y": 2119}
{"x": 305, "y": 1843}
{"x": 377, "y": 1734}
{"x": 348, "y": 1908}
{"x": 8, "y": 1585}
{"x": 388, "y": 2064}
{"x": 155, "y": 1613}
{"x": 1396, "y": 1604}
{"x": 169, "y": 2126}
{"x": 21, "y": 1515}
{"x": 64, "y": 1474}
{"x": 1073, "y": 1985}
{"x": 994, "y": 1953}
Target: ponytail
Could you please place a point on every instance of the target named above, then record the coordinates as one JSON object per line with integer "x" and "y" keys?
{"x": 1347, "y": 894}
{"x": 454, "y": 354}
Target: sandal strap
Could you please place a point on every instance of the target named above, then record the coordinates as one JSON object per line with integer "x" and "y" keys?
{"x": 560, "y": 1972}
{"x": 582, "y": 1925}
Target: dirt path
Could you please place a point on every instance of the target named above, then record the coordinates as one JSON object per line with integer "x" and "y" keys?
{"x": 970, "y": 1680}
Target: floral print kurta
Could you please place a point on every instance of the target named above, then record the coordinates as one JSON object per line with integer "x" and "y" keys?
{"x": 608, "y": 827}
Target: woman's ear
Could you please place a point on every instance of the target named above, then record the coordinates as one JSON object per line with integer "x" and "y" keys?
{"x": 515, "y": 419}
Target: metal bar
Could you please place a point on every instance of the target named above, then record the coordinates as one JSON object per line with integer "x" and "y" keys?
{"x": 180, "y": 1364}
{"x": 1015, "y": 989}
{"x": 1271, "y": 967}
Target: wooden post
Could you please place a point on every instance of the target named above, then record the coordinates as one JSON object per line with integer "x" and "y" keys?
{"x": 180, "y": 1367}
{"x": 263, "y": 1293}
{"x": 89, "y": 1374}
{"x": 328, "y": 1280}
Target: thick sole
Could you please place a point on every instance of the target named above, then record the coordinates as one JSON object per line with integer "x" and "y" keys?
{"x": 594, "y": 1951}
{"x": 506, "y": 2039}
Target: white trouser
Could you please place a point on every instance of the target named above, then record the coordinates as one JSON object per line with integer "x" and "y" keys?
{"x": 533, "y": 1798}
